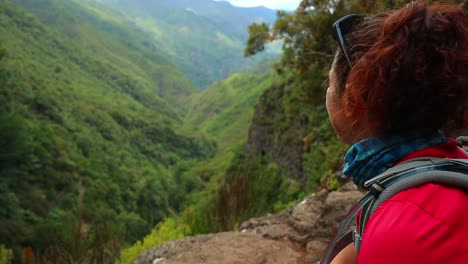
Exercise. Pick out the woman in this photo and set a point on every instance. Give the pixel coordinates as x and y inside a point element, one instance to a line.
<point>398,84</point>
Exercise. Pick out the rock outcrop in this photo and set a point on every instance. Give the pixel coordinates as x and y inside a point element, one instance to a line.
<point>275,135</point>
<point>296,235</point>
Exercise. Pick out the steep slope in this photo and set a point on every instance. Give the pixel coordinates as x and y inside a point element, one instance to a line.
<point>205,39</point>
<point>88,147</point>
<point>225,110</point>
<point>291,149</point>
<point>101,34</point>
<point>234,19</point>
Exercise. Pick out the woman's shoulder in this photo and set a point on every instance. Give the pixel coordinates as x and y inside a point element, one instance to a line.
<point>447,204</point>
<point>448,149</point>
<point>427,224</point>
<point>429,221</point>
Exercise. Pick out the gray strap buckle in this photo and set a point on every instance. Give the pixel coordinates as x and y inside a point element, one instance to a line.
<point>357,239</point>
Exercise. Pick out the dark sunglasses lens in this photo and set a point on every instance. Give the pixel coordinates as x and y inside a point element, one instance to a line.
<point>345,25</point>
<point>348,25</point>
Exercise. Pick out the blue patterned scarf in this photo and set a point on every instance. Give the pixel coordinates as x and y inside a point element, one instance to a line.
<point>370,157</point>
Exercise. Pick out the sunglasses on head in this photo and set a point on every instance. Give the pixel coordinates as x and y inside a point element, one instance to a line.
<point>342,27</point>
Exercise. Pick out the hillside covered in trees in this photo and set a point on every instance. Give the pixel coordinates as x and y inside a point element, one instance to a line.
<point>90,132</point>
<point>203,38</point>
<point>95,147</point>
<point>108,146</point>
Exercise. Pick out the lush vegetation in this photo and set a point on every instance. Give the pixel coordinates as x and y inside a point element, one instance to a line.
<point>198,36</point>
<point>96,148</point>
<point>134,62</point>
<point>293,148</point>
<point>90,136</point>
<point>103,139</point>
<point>225,111</point>
<point>165,231</point>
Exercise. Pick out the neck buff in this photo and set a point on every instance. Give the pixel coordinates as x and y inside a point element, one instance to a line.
<point>370,157</point>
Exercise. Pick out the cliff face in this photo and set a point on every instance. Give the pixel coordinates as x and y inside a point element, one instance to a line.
<point>296,235</point>
<point>276,135</point>
<point>293,131</point>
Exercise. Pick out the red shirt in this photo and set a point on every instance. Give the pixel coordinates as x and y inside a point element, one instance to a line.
<point>427,224</point>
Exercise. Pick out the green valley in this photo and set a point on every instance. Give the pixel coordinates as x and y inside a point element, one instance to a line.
<point>90,115</point>
<point>126,124</point>
<point>102,137</point>
<point>224,111</point>
<point>198,37</point>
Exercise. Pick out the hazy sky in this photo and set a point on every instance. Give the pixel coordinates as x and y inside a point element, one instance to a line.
<point>273,4</point>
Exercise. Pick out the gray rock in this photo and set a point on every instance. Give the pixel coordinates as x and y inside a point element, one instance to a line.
<point>296,235</point>
<point>229,248</point>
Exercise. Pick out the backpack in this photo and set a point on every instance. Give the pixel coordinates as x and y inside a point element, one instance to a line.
<point>406,175</point>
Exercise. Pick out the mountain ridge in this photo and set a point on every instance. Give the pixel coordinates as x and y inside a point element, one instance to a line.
<point>119,38</point>
<point>200,39</point>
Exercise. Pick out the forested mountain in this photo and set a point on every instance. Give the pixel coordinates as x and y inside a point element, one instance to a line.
<point>105,136</point>
<point>130,53</point>
<point>230,18</point>
<point>225,111</point>
<point>204,38</point>
<point>90,117</point>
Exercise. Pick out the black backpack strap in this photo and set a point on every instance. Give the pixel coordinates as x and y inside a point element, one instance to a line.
<point>342,236</point>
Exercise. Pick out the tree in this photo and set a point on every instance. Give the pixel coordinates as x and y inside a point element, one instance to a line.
<point>308,47</point>
<point>12,139</point>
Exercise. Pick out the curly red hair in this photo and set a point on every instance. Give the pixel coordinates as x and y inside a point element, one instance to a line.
<point>410,69</point>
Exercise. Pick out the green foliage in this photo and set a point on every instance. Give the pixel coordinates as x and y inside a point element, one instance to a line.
<point>86,132</point>
<point>256,179</point>
<point>73,241</point>
<point>13,139</point>
<point>293,144</point>
<point>324,153</point>
<point>5,255</point>
<point>198,36</point>
<point>299,116</point>
<point>167,230</point>
<point>225,111</point>
<point>96,147</point>
<point>259,36</point>
<point>245,182</point>
<point>207,176</point>
<point>132,62</point>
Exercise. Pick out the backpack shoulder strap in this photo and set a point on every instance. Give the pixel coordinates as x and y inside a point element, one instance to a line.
<point>406,175</point>
<point>411,174</point>
<point>448,178</point>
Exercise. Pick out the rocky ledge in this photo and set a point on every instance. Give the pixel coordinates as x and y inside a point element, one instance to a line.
<point>296,235</point>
